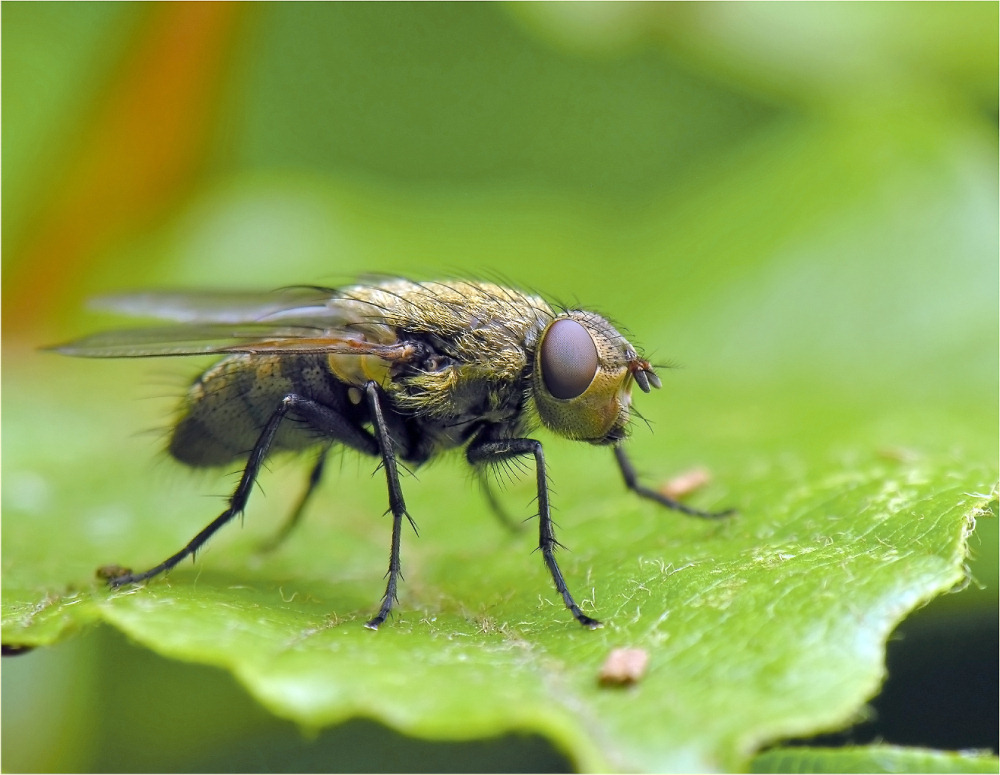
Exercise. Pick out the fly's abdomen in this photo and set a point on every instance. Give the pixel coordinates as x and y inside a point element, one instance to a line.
<point>228,406</point>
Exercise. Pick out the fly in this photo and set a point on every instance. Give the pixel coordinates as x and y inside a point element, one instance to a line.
<point>397,370</point>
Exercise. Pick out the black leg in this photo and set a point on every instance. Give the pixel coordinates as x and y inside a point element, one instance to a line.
<point>314,479</point>
<point>495,506</point>
<point>320,417</point>
<point>396,503</point>
<point>492,451</point>
<point>632,482</point>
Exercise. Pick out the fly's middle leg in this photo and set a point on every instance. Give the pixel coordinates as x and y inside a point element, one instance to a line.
<point>495,506</point>
<point>493,451</point>
<point>322,418</point>
<point>315,476</point>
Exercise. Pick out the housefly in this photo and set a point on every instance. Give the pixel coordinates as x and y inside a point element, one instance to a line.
<point>397,370</point>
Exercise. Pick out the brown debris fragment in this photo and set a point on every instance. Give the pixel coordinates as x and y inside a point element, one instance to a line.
<point>686,483</point>
<point>623,667</point>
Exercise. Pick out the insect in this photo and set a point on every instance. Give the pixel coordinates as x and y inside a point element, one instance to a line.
<point>397,370</point>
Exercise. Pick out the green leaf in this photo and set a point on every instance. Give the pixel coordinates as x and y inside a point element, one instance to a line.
<point>817,245</point>
<point>768,624</point>
<point>876,758</point>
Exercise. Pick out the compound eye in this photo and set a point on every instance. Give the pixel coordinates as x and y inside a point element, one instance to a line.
<point>568,359</point>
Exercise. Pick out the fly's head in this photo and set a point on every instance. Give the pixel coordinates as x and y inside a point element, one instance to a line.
<point>582,378</point>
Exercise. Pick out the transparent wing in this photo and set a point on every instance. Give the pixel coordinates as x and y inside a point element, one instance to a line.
<point>221,338</point>
<point>229,307</point>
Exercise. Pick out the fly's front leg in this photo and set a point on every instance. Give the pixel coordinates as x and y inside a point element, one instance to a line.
<point>320,417</point>
<point>494,451</point>
<point>396,503</point>
<point>632,482</point>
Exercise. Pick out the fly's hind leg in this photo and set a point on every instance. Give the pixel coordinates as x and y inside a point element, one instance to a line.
<point>322,418</point>
<point>487,451</point>
<point>315,476</point>
<point>632,482</point>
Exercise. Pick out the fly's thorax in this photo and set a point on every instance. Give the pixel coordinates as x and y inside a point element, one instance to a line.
<point>582,378</point>
<point>469,347</point>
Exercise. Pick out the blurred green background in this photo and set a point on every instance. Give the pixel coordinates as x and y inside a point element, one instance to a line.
<point>795,202</point>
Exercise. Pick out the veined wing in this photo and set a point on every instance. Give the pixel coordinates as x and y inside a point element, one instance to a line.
<point>223,339</point>
<point>229,307</point>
